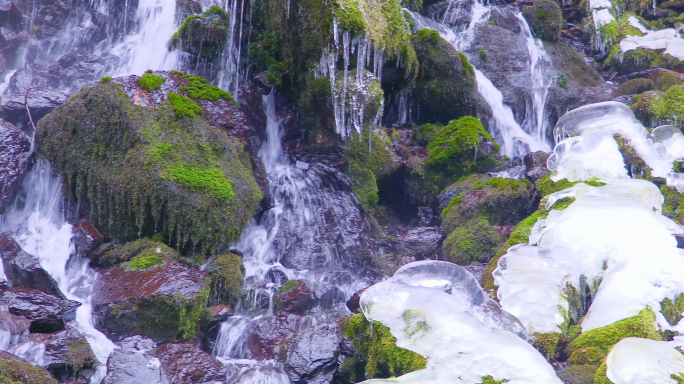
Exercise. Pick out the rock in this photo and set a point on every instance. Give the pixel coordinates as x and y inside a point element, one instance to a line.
<point>578,374</point>
<point>202,35</point>
<point>137,343</point>
<point>445,197</point>
<point>420,242</point>
<point>220,313</point>
<point>535,165</point>
<point>299,296</point>
<point>67,354</point>
<point>75,69</point>
<point>13,326</point>
<point>24,270</point>
<point>227,277</point>
<point>86,238</point>
<point>312,356</point>
<point>187,364</point>
<point>21,80</point>
<point>16,369</point>
<point>41,101</point>
<point>126,367</point>
<point>636,86</point>
<point>545,19</point>
<point>354,303</point>
<point>162,302</point>
<point>426,217</point>
<point>46,312</point>
<point>16,158</point>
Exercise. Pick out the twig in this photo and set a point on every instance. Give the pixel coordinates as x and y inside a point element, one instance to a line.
<point>28,110</point>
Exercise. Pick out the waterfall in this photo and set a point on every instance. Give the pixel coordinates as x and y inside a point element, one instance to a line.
<point>146,47</point>
<point>36,222</point>
<point>515,141</point>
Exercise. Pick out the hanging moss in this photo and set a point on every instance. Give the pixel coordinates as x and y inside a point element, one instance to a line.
<point>227,277</point>
<point>547,343</point>
<point>140,171</point>
<point>367,163</point>
<point>641,325</point>
<point>151,82</point>
<point>376,354</point>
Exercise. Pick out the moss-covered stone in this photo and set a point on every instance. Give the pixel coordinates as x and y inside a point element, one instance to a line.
<point>202,34</point>
<point>604,338</point>
<point>143,249</point>
<point>672,309</point>
<point>19,372</point>
<point>636,86</point>
<point>375,352</point>
<point>578,374</point>
<point>547,343</point>
<point>474,241</point>
<point>198,87</point>
<point>545,19</point>
<point>227,277</point>
<point>136,171</point>
<point>587,356</point>
<point>445,87</point>
<point>492,380</point>
<point>183,106</point>
<point>369,160</point>
<point>666,79</point>
<point>149,81</point>
<point>658,108</point>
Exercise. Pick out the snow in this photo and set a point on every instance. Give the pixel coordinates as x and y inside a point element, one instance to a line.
<point>667,39</point>
<point>635,360</point>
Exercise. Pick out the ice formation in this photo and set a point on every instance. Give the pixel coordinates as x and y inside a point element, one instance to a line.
<point>635,360</point>
<point>667,39</point>
<point>438,310</point>
<point>612,235</point>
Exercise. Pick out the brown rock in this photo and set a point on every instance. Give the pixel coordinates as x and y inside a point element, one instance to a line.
<point>47,313</point>
<point>86,237</point>
<point>187,364</point>
<point>16,159</point>
<point>24,270</point>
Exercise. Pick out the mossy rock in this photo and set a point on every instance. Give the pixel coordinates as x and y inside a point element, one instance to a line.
<point>658,108</point>
<point>474,241</point>
<point>19,372</point>
<point>142,249</point>
<point>587,356</point>
<point>666,79</point>
<point>547,343</point>
<point>571,63</point>
<point>604,338</point>
<point>204,34</point>
<point>137,171</point>
<point>227,277</point>
<point>578,374</point>
<point>672,309</point>
<point>636,86</point>
<point>369,160</point>
<point>375,353</point>
<point>673,207</point>
<point>445,88</point>
<point>545,19</point>
<point>149,81</point>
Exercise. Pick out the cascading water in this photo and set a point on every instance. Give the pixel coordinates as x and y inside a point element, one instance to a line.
<point>515,140</point>
<point>36,222</point>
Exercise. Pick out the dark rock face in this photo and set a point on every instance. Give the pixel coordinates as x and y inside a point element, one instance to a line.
<point>16,368</point>
<point>312,356</point>
<point>67,354</point>
<point>535,165</point>
<point>86,237</point>
<point>41,101</point>
<point>354,303</point>
<point>299,296</point>
<point>24,270</point>
<point>15,325</point>
<point>129,367</point>
<point>545,19</point>
<point>187,364</point>
<point>47,313</point>
<point>15,160</point>
<point>149,302</point>
<point>420,242</point>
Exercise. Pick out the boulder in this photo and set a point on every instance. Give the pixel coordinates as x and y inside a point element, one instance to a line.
<point>75,69</point>
<point>41,101</point>
<point>47,313</point>
<point>545,19</point>
<point>16,157</point>
<point>163,302</point>
<point>535,165</point>
<point>67,354</point>
<point>420,242</point>
<point>187,364</point>
<point>15,369</point>
<point>24,270</point>
<point>130,367</point>
<point>299,296</point>
<point>86,238</point>
<point>137,343</point>
<point>14,326</point>
<point>312,355</point>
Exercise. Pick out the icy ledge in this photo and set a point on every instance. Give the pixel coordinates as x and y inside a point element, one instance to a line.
<point>438,310</point>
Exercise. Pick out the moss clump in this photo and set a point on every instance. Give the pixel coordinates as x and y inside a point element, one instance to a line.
<point>422,134</point>
<point>182,106</point>
<point>227,277</point>
<point>545,19</point>
<point>587,355</point>
<point>369,160</point>
<point>128,166</point>
<point>142,248</point>
<point>18,372</point>
<point>578,374</point>
<point>672,309</point>
<point>145,262</point>
<point>666,79</point>
<point>79,354</point>
<point>499,183</point>
<point>475,241</point>
<point>636,86</point>
<point>105,79</point>
<point>642,325</point>
<point>203,35</point>
<point>453,148</point>
<point>482,53</point>
<point>492,380</point>
<point>547,343</point>
<point>375,353</point>
<point>198,87</point>
<point>545,186</point>
<point>151,82</point>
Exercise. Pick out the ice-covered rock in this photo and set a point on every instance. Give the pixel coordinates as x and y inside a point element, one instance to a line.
<point>635,360</point>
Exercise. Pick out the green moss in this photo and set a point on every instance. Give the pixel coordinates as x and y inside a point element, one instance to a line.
<point>145,262</point>
<point>611,31</point>
<point>492,380</point>
<point>202,34</point>
<point>198,87</point>
<point>672,309</point>
<point>667,79</point>
<point>600,376</point>
<point>467,67</point>
<point>636,86</point>
<point>105,79</point>
<point>141,249</point>
<point>547,343</point>
<point>474,241</point>
<point>19,372</point>
<point>501,183</point>
<point>587,356</point>
<point>227,277</point>
<point>216,10</point>
<point>545,19</point>
<point>641,325</point>
<point>457,141</point>
<point>369,159</point>
<point>429,35</point>
<point>137,169</point>
<point>375,352</point>
<point>424,133</point>
<point>151,82</point>
<point>455,201</point>
<point>545,186</point>
<point>183,106</point>
<point>482,53</point>
<point>183,27</point>
<point>79,354</point>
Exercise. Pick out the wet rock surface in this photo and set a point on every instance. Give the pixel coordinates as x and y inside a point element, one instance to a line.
<point>16,159</point>
<point>14,325</point>
<point>46,312</point>
<point>24,270</point>
<point>41,101</point>
<point>86,238</point>
<point>187,364</point>
<point>420,242</point>
<point>131,367</point>
<point>312,355</point>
